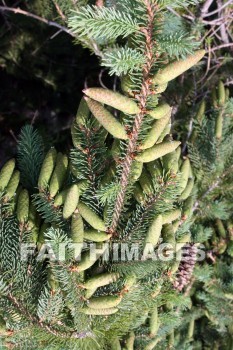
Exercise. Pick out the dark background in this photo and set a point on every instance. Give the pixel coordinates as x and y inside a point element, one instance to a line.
<point>41,80</point>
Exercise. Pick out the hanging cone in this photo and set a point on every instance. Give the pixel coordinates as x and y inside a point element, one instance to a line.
<point>174,69</point>
<point>186,266</point>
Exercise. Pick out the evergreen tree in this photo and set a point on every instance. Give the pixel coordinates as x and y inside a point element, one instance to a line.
<point>126,184</point>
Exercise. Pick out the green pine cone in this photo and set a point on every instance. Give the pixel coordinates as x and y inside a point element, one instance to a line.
<point>191,329</point>
<point>96,312</point>
<point>174,69</point>
<point>91,217</point>
<point>3,329</point>
<point>96,236</point>
<point>101,280</point>
<point>214,98</point>
<point>165,132</point>
<point>155,132</point>
<point>90,292</point>
<point>221,94</point>
<point>59,174</point>
<point>138,193</point>
<point>71,201</point>
<point>188,207</point>
<point>41,236</point>
<point>170,162</point>
<point>107,120</point>
<point>104,302</point>
<point>160,111</point>
<point>47,169</point>
<point>145,181</point>
<point>187,191</point>
<point>157,151</point>
<point>129,342</point>
<point>168,234</point>
<point>12,185</point>
<point>23,206</point>
<point>201,111</point>
<point>6,173</point>
<point>154,322</point>
<point>185,171</point>
<point>154,231</point>
<point>109,175</point>
<point>113,99</point>
<point>76,139</point>
<point>83,113</point>
<point>61,197</point>
<point>220,228</point>
<point>219,125</point>
<point>33,217</point>
<point>77,228</point>
<point>176,225</point>
<point>155,168</point>
<point>230,248</point>
<point>86,261</point>
<point>136,170</point>
<point>170,216</point>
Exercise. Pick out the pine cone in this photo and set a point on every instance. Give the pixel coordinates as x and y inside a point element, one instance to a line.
<point>189,253</point>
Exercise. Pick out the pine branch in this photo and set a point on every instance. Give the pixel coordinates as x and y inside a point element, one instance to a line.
<point>102,22</point>
<point>154,200</point>
<point>177,44</point>
<point>36,322</point>
<point>142,99</point>
<point>212,187</point>
<point>30,156</point>
<point>122,60</point>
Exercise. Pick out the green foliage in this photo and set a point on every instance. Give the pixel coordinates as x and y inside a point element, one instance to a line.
<point>178,44</point>
<point>102,22</point>
<point>122,60</point>
<point>30,156</point>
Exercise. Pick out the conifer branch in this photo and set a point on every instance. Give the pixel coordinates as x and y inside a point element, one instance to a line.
<point>150,203</point>
<point>42,325</point>
<point>212,187</point>
<point>142,98</point>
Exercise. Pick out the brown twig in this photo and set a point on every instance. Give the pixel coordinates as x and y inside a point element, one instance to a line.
<point>38,18</point>
<point>13,135</point>
<point>229,2</point>
<point>99,3</point>
<point>206,7</point>
<point>223,30</point>
<point>208,65</point>
<point>142,99</point>
<point>221,47</point>
<point>59,10</point>
<point>217,20</point>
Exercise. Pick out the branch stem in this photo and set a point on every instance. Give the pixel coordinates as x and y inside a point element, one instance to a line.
<point>38,18</point>
<point>142,98</point>
<point>229,2</point>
